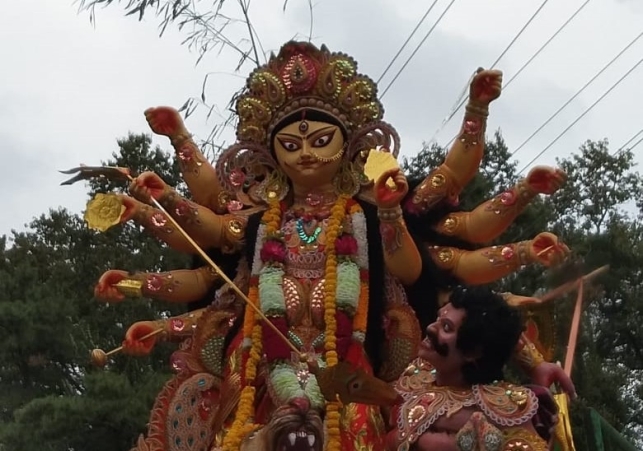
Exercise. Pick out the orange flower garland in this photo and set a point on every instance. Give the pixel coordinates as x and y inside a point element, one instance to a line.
<point>338,213</point>
<point>252,327</point>
<point>251,330</point>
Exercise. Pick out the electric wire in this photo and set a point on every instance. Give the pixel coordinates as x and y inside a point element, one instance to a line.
<point>622,148</point>
<point>530,60</point>
<point>580,91</point>
<point>618,82</point>
<point>542,47</point>
<point>417,48</point>
<point>399,52</point>
<point>463,97</point>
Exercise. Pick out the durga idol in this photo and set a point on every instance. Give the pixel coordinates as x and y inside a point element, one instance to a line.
<point>331,256</point>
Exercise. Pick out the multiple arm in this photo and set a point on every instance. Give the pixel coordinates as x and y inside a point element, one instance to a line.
<point>180,286</point>
<point>205,227</point>
<point>463,159</point>
<point>490,219</point>
<point>197,171</point>
<point>489,264</point>
<point>459,167</point>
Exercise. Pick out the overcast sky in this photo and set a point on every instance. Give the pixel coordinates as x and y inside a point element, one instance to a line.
<point>68,90</point>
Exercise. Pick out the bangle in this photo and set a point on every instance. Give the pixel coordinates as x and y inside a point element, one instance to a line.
<point>477,110</point>
<point>389,214</point>
<point>180,139</point>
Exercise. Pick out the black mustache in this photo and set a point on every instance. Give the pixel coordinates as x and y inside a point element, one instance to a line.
<point>441,348</point>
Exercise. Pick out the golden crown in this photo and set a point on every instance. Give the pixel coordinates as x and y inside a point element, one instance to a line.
<point>301,77</point>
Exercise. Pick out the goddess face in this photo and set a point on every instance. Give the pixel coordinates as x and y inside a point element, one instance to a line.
<point>309,152</point>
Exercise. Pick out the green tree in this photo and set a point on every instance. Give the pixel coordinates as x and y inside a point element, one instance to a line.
<point>595,211</point>
<point>49,321</point>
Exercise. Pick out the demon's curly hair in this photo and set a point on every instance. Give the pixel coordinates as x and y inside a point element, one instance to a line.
<point>491,329</point>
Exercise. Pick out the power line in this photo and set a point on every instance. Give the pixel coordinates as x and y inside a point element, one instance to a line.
<point>399,52</point>
<point>534,56</point>
<point>582,115</point>
<point>426,36</point>
<point>635,144</point>
<point>598,74</point>
<point>463,97</point>
<point>551,38</point>
<point>622,148</point>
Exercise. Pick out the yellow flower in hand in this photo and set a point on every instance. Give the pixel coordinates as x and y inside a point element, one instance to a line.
<point>104,211</point>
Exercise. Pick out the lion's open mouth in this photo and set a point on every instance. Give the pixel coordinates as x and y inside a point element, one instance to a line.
<point>300,440</point>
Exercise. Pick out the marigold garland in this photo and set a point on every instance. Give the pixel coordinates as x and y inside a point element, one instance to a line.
<point>338,213</point>
<point>251,329</point>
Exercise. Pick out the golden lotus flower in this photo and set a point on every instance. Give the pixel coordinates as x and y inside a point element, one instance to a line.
<point>379,162</point>
<point>104,211</point>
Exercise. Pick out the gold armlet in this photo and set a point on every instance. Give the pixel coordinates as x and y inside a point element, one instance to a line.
<point>455,224</point>
<point>232,232</point>
<point>509,256</point>
<point>446,257</point>
<point>527,355</point>
<point>439,185</point>
<point>512,200</point>
<point>520,438</point>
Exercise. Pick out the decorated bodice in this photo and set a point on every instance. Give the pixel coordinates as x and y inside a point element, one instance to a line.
<point>504,404</point>
<point>305,239</point>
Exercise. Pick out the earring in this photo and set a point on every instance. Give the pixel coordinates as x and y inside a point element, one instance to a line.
<point>347,181</point>
<point>274,188</point>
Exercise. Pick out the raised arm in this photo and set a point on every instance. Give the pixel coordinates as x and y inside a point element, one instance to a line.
<point>401,256</point>
<point>181,286</point>
<point>205,227</point>
<point>197,171</point>
<point>490,219</point>
<point>489,264</point>
<point>463,159</point>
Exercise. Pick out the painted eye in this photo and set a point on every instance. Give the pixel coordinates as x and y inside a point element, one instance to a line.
<point>290,146</point>
<point>323,141</point>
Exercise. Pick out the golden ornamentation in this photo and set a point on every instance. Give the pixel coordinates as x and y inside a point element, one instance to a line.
<point>300,77</point>
<point>505,405</point>
<point>130,287</point>
<point>436,188</point>
<point>520,439</point>
<point>379,162</point>
<point>104,211</point>
<point>527,355</point>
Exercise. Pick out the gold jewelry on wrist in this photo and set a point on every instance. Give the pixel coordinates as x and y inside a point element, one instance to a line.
<point>477,110</point>
<point>389,214</point>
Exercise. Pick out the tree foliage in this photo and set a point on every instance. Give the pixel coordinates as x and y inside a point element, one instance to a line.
<point>49,321</point>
